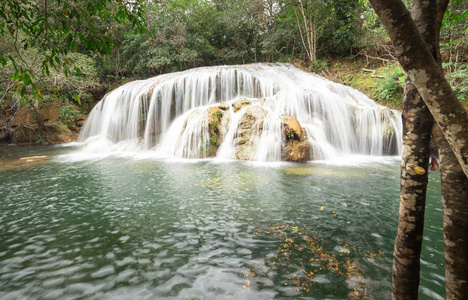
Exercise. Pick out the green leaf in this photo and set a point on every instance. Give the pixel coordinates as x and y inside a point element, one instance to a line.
<point>23,91</point>
<point>78,71</point>
<point>77,98</point>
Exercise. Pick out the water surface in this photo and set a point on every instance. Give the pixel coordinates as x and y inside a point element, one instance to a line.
<point>145,228</point>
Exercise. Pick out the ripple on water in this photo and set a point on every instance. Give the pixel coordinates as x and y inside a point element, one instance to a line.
<point>117,229</point>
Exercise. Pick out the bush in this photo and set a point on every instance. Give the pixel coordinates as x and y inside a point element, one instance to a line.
<point>68,114</point>
<point>390,88</point>
<point>457,75</point>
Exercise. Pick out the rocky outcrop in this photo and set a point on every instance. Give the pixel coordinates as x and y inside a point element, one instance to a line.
<point>44,125</point>
<point>296,146</point>
<point>210,126</point>
<point>249,132</point>
<point>241,102</point>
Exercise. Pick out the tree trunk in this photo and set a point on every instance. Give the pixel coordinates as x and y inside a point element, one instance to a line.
<point>453,163</point>
<point>416,59</point>
<point>417,127</point>
<point>455,204</point>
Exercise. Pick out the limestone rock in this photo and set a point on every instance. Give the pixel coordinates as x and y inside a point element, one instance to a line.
<point>249,131</point>
<point>296,146</point>
<point>223,106</point>
<point>241,102</point>
<point>292,129</point>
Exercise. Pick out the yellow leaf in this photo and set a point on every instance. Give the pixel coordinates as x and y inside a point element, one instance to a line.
<point>417,169</point>
<point>322,207</point>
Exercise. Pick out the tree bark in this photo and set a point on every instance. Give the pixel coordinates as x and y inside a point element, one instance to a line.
<point>455,205</point>
<point>416,59</point>
<point>417,126</point>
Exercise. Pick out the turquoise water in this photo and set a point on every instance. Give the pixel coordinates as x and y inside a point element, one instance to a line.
<point>143,228</point>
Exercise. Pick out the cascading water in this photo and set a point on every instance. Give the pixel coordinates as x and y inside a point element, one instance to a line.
<point>257,112</point>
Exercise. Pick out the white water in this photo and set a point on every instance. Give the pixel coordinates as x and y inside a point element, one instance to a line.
<point>168,114</point>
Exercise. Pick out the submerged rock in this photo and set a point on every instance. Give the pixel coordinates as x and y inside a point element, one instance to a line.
<point>296,146</point>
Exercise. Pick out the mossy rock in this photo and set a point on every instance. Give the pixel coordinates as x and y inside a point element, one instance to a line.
<point>240,103</point>
<point>246,141</point>
<point>215,114</point>
<point>223,106</point>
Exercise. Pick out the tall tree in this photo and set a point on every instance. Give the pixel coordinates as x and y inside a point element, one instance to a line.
<point>416,59</point>
<point>428,17</point>
<point>310,19</point>
<point>417,128</point>
<point>455,206</point>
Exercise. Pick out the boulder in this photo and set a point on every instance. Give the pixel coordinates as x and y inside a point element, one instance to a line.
<point>296,151</point>
<point>292,129</point>
<point>223,106</point>
<point>241,102</point>
<point>296,146</point>
<point>249,132</point>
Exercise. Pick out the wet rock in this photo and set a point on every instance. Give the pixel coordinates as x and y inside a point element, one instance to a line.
<point>241,102</point>
<point>249,132</point>
<point>296,146</point>
<point>296,151</point>
<point>80,123</point>
<point>223,106</point>
<point>44,125</point>
<point>292,129</point>
<point>6,135</point>
<point>215,115</point>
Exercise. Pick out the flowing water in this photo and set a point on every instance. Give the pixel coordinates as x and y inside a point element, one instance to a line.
<point>169,114</point>
<point>140,227</point>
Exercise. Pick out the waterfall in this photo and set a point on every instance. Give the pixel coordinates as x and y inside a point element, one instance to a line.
<point>263,112</point>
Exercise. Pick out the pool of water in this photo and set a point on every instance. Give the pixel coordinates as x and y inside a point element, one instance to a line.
<point>123,227</point>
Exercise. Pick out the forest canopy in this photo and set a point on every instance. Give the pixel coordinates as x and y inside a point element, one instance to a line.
<point>78,50</point>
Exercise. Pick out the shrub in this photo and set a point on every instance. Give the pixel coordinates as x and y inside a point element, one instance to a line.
<point>457,75</point>
<point>390,88</point>
<point>68,114</point>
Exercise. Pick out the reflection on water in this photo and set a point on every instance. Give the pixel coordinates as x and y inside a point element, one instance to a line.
<point>124,228</point>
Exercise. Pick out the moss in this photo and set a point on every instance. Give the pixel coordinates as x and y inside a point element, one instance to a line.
<point>215,115</point>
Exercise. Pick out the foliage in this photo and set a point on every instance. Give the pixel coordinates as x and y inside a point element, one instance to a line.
<point>454,33</point>
<point>68,114</point>
<point>457,75</point>
<point>53,29</point>
<point>390,88</point>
